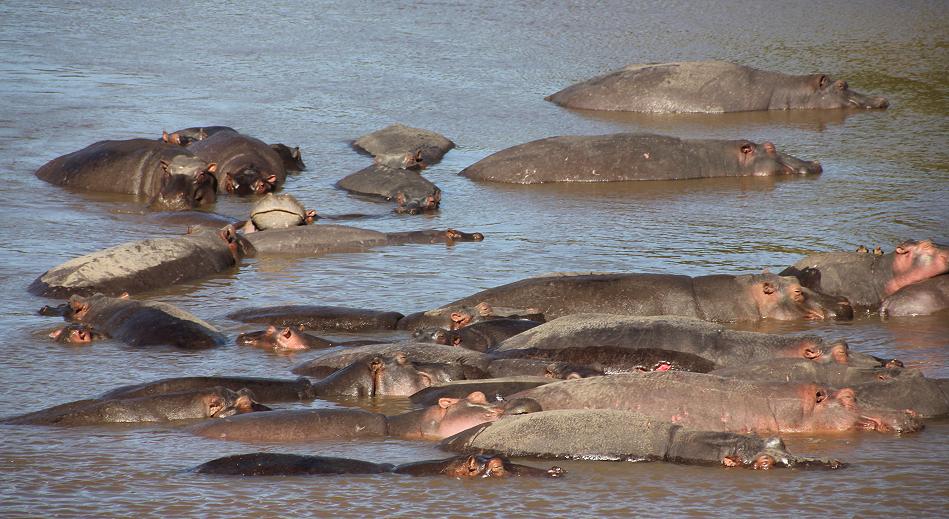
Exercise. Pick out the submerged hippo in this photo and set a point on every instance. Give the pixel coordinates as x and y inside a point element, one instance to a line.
<point>145,265</point>
<point>709,87</point>
<point>623,435</point>
<point>921,298</point>
<point>141,323</point>
<point>170,176</point>
<point>278,212</point>
<point>409,189</point>
<point>292,160</point>
<point>711,403</point>
<point>498,388</point>
<point>245,165</point>
<point>331,238</point>
<point>215,402</point>
<point>265,390</point>
<point>630,156</point>
<point>75,333</point>
<point>284,339</point>
<point>449,416</point>
<point>479,336</point>
<point>319,317</point>
<point>420,353</point>
<point>866,279</point>
<point>420,147</point>
<point>711,298</point>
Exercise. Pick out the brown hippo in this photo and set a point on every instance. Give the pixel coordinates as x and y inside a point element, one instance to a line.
<point>479,336</point>
<point>318,317</point>
<point>449,416</point>
<point>170,176</point>
<point>292,160</point>
<point>265,390</point>
<point>499,388</point>
<point>631,156</point>
<point>709,87</point>
<point>75,333</point>
<point>866,279</point>
<point>412,192</point>
<point>399,142</point>
<point>711,298</point>
<point>330,238</point>
<point>921,298</point>
<point>245,165</point>
<point>216,402</point>
<point>606,434</point>
<point>711,403</point>
<point>145,264</point>
<point>290,339</point>
<point>421,353</point>
<point>278,212</point>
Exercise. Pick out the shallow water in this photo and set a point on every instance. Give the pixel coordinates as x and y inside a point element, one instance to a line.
<point>320,75</point>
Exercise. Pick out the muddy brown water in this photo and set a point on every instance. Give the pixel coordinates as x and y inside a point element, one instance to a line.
<point>318,75</point>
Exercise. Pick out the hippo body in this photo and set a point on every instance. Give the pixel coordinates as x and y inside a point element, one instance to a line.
<point>803,370</point>
<point>492,387</point>
<point>927,397</point>
<point>265,390</point>
<point>631,156</point>
<point>710,403</point>
<point>921,298</point>
<point>409,189</point>
<point>316,240</point>
<point>480,336</point>
<point>292,160</point>
<point>425,353</point>
<point>140,323</point>
<point>318,317</point>
<point>245,165</point>
<point>382,375</point>
<point>614,359</point>
<point>709,87</point>
<point>170,176</point>
<point>278,212</point>
<point>144,265</point>
<point>866,279</point>
<point>398,140</point>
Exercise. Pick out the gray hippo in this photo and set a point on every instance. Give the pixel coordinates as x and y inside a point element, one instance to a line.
<point>265,390</point>
<point>170,176</point>
<point>709,87</point>
<point>322,239</point>
<point>631,156</point>
<point>145,264</point>
<point>866,279</point>
<point>412,192</point>
<point>245,165</point>
<point>319,317</point>
<point>602,434</point>
<point>424,354</point>
<point>292,160</point>
<point>405,147</point>
<point>802,370</point>
<point>920,298</point>
<point>711,298</point>
<point>478,336</point>
<point>275,211</point>
<point>459,467</point>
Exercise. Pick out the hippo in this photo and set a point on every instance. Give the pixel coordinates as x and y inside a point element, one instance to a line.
<point>280,464</point>
<point>421,353</point>
<point>145,265</point>
<point>216,402</point>
<point>412,192</point>
<point>292,160</point>
<point>462,317</point>
<point>709,87</point>
<point>711,403</point>
<point>921,298</point>
<point>381,375</point>
<point>613,359</point>
<point>710,298</point>
<point>866,279</point>
<point>278,212</point>
<point>631,156</point>
<point>432,236</point>
<point>285,339</point>
<point>924,397</point>
<point>318,317</point>
<point>246,165</point>
<point>171,177</point>
<point>75,333</point>
<point>606,434</point>
<point>479,336</point>
<point>420,147</point>
<point>499,388</point>
<point>530,367</point>
<point>803,370</point>
<point>140,323</point>
<point>332,238</point>
<point>265,390</point>
<point>449,416</point>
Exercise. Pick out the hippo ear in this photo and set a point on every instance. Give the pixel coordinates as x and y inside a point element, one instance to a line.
<point>820,81</point>
<point>425,379</point>
<point>446,402</point>
<point>767,288</point>
<point>840,85</point>
<point>166,171</point>
<point>166,137</point>
<point>477,397</point>
<point>456,340</point>
<point>271,330</point>
<point>212,167</point>
<point>56,333</point>
<point>295,153</point>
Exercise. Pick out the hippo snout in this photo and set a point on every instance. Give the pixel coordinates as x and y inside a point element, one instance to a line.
<point>879,102</point>
<point>842,311</point>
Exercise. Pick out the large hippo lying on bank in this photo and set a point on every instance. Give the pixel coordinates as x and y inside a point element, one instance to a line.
<point>144,265</point>
<point>170,176</point>
<point>709,87</point>
<point>412,192</point>
<point>396,142</point>
<point>630,156</point>
<point>921,298</point>
<point>866,279</point>
<point>711,298</point>
<point>245,165</point>
<point>622,435</point>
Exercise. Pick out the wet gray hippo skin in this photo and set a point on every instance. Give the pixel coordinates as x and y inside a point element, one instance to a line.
<point>323,238</point>
<point>216,402</point>
<point>866,279</point>
<point>493,387</point>
<point>921,298</point>
<point>926,397</point>
<point>140,323</point>
<point>703,339</point>
<point>422,353</point>
<point>710,403</point>
<point>480,336</point>
<point>802,370</point>
<point>170,176</point>
<point>622,435</point>
<point>319,317</point>
<point>426,147</point>
<point>265,390</point>
<point>711,298</point>
<point>631,156</point>
<point>383,375</point>
<point>709,87</point>
<point>144,265</point>
<point>613,359</point>
<point>409,189</point>
<point>448,416</point>
<point>292,160</point>
<point>245,165</point>
<point>283,339</point>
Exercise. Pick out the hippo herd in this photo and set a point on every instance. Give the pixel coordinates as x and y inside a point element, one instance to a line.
<point>600,366</point>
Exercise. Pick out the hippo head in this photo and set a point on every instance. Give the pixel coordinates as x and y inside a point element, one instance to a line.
<point>775,454</point>
<point>765,160</point>
<point>783,298</point>
<point>222,402</point>
<point>184,137</point>
<point>186,183</point>
<point>820,91</point>
<point>826,410</point>
<point>292,160</point>
<point>397,376</point>
<point>814,349</point>
<point>249,181</point>
<point>409,205</point>
<point>916,261</point>
<point>238,245</point>
<point>284,339</point>
<point>75,333</point>
<point>486,466</point>
<point>437,336</point>
<point>453,415</point>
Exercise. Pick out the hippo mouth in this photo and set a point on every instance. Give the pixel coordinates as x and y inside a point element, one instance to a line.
<point>908,423</point>
<point>869,103</point>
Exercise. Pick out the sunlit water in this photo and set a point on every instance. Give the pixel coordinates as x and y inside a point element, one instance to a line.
<point>320,75</point>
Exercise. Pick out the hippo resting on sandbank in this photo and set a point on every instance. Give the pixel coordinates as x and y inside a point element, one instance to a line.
<point>921,298</point>
<point>601,434</point>
<point>279,464</point>
<point>709,87</point>
<point>292,160</point>
<point>145,264</point>
<point>170,176</point>
<point>449,416</point>
<point>866,279</point>
<point>711,298</point>
<point>711,403</point>
<point>401,146</point>
<point>215,402</point>
<point>632,156</point>
<point>332,238</point>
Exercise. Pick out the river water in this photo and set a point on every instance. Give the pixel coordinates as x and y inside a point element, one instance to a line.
<point>320,74</point>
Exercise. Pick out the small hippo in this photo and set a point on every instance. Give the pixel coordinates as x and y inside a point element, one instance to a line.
<point>920,298</point>
<point>412,192</point>
<point>709,87</point>
<point>278,212</point>
<point>292,160</point>
<point>403,146</point>
<point>75,333</point>
<point>245,165</point>
<point>631,156</point>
